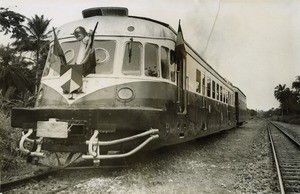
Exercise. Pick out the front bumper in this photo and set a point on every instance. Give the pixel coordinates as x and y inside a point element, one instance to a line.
<point>103,119</point>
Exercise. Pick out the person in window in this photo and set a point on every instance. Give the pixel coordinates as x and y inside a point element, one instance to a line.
<point>150,72</point>
<point>81,35</point>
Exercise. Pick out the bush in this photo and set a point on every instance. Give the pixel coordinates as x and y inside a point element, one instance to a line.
<point>10,157</point>
<point>9,140</point>
<point>292,119</point>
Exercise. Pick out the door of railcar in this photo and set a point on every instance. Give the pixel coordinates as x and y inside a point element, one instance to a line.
<point>181,87</point>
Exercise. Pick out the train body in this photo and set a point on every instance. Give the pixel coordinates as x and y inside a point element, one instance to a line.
<point>241,106</point>
<point>128,92</point>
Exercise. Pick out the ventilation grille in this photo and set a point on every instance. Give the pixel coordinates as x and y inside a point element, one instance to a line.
<point>105,11</point>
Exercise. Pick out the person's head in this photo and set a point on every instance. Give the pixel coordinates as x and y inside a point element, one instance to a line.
<point>80,33</point>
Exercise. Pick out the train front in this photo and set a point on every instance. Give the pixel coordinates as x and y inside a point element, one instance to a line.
<point>107,86</point>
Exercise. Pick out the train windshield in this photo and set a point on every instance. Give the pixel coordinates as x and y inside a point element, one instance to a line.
<point>132,59</point>
<point>103,57</point>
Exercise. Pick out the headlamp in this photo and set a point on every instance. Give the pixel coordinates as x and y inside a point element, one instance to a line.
<point>125,94</point>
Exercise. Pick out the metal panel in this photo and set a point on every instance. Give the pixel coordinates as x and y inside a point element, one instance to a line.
<point>52,129</point>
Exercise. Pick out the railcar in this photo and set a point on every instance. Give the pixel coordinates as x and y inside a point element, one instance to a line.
<point>114,84</point>
<point>241,106</point>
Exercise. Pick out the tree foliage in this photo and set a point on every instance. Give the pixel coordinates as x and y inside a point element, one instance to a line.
<point>19,74</point>
<point>296,84</point>
<point>11,22</point>
<point>289,99</point>
<point>14,72</point>
<point>36,41</point>
<point>30,37</point>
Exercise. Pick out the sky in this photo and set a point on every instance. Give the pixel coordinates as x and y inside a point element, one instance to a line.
<point>255,44</point>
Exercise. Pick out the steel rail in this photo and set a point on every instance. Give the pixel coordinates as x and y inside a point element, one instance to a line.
<point>6,186</point>
<point>282,191</point>
<point>279,127</point>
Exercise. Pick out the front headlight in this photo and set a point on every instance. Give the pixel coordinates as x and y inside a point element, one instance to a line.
<point>126,94</point>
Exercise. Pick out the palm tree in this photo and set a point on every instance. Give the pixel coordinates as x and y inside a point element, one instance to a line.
<point>35,41</point>
<point>278,93</point>
<point>37,28</point>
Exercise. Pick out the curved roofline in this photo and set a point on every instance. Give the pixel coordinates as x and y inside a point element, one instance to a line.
<point>196,53</point>
<point>239,90</point>
<point>187,44</point>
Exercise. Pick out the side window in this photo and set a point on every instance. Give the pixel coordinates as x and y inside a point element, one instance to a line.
<point>226,98</point>
<point>164,61</point>
<point>151,60</point>
<point>132,59</point>
<point>104,52</point>
<point>208,86</point>
<point>218,91</point>
<point>198,80</point>
<point>213,89</point>
<point>203,85</point>
<point>172,66</point>
<point>221,93</point>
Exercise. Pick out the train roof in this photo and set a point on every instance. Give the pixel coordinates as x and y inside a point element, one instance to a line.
<point>143,27</point>
<point>152,28</point>
<point>237,89</point>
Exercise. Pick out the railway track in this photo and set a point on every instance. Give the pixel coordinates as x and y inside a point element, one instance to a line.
<point>9,185</point>
<point>285,144</point>
<point>50,172</point>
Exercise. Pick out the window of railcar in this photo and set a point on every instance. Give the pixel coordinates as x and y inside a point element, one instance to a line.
<point>164,61</point>
<point>208,86</point>
<point>48,62</point>
<point>132,59</point>
<point>213,89</point>
<point>226,98</point>
<point>172,66</point>
<point>104,53</point>
<point>221,94</point>
<point>52,66</point>
<point>198,80</point>
<point>218,90</point>
<point>233,98</point>
<point>71,50</point>
<point>151,60</point>
<point>203,85</point>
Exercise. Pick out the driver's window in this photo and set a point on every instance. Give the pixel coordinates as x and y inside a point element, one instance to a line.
<point>104,53</point>
<point>151,60</point>
<point>132,58</point>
